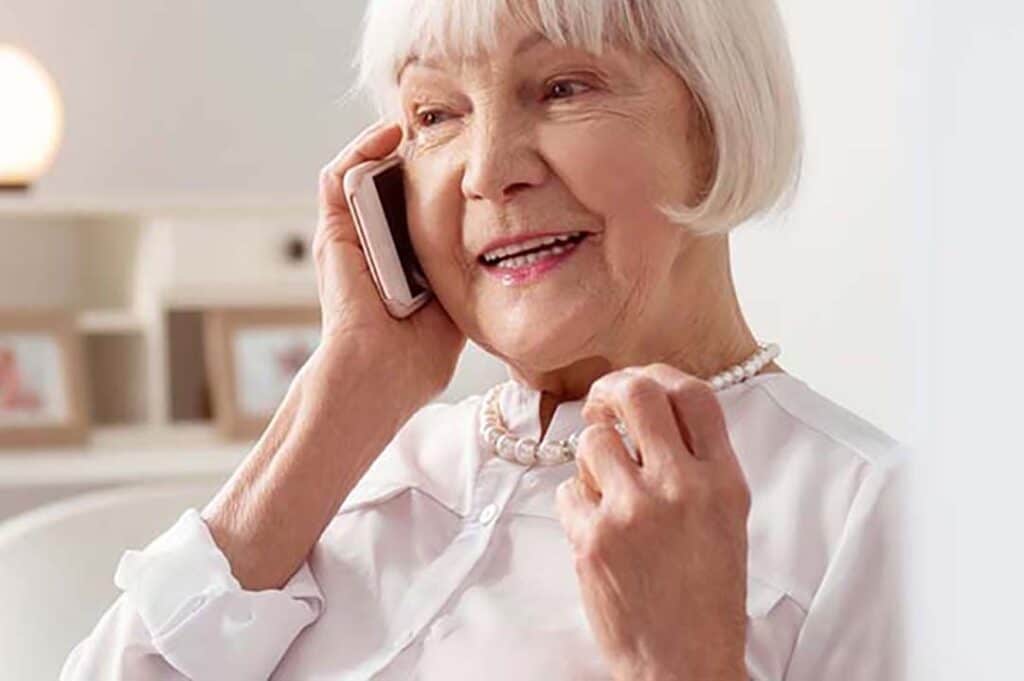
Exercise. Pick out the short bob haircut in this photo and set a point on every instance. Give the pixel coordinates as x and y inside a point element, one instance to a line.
<point>732,54</point>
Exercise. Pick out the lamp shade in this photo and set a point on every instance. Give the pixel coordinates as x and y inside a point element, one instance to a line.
<point>31,118</point>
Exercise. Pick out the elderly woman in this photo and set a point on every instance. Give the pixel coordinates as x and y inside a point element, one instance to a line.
<point>650,496</point>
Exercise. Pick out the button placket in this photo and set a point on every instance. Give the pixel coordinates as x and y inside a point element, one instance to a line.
<point>492,488</point>
<point>494,484</point>
<point>487,515</point>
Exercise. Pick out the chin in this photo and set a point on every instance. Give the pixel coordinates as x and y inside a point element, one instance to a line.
<point>542,343</point>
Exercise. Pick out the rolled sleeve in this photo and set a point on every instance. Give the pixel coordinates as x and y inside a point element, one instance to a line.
<point>197,614</point>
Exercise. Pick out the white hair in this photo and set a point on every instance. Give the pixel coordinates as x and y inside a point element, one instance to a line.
<point>732,54</point>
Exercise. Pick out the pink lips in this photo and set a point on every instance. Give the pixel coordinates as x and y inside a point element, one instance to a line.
<point>515,276</point>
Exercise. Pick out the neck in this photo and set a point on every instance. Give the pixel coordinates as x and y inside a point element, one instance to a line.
<point>696,326</point>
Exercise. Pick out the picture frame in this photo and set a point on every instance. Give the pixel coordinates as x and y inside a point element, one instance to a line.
<point>43,394</point>
<point>252,355</point>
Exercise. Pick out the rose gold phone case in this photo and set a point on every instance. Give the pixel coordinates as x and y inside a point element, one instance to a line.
<point>375,237</point>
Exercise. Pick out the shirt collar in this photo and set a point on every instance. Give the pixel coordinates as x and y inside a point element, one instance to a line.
<point>520,410</point>
<point>520,407</point>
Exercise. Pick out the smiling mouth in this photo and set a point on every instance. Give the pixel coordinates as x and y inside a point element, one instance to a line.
<point>511,258</point>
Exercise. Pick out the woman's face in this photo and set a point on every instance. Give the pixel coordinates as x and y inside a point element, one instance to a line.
<point>539,139</point>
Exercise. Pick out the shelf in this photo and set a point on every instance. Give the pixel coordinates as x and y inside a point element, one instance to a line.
<point>282,294</point>
<point>35,206</point>
<point>109,321</point>
<point>123,454</point>
<point>139,273</point>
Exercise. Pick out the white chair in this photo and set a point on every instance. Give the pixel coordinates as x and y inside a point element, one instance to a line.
<point>57,567</point>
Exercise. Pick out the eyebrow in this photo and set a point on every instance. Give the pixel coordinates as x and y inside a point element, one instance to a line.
<point>526,43</point>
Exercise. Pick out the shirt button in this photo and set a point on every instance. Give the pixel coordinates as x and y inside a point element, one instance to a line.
<point>404,639</point>
<point>487,515</point>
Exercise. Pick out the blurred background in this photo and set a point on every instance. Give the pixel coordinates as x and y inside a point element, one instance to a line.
<point>155,272</point>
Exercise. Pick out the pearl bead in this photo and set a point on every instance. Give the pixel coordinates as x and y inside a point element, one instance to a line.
<point>550,453</point>
<point>527,451</point>
<point>505,445</point>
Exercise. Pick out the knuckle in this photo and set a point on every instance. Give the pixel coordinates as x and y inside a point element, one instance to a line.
<point>673,492</point>
<point>689,491</point>
<point>590,439</point>
<point>326,175</point>
<point>605,381</point>
<point>688,388</point>
<point>631,514</point>
<point>637,389</point>
<point>664,369</point>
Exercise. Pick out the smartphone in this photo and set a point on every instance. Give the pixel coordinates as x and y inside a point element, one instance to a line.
<point>375,191</point>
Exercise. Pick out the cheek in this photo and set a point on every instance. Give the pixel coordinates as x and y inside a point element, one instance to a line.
<point>432,207</point>
<point>608,167</point>
<point>615,171</point>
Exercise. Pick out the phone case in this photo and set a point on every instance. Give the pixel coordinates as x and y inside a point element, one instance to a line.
<point>375,197</point>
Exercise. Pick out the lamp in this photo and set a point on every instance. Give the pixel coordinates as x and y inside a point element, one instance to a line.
<point>31,119</point>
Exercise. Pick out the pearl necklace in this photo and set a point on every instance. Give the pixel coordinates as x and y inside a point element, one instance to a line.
<point>527,451</point>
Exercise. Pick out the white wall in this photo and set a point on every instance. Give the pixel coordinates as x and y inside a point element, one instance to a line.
<point>829,280</point>
<point>968,553</point>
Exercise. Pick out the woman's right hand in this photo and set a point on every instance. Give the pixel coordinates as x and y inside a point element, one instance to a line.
<point>421,351</point>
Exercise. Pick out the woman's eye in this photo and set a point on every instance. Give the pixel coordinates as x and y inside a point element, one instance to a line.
<point>428,118</point>
<point>560,89</point>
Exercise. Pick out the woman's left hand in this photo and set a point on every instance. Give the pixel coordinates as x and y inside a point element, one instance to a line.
<point>660,547</point>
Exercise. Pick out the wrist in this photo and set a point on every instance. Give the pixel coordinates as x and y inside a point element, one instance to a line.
<point>342,368</point>
<point>352,401</point>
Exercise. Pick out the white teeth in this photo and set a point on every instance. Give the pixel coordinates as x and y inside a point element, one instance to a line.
<point>530,258</point>
<point>527,245</point>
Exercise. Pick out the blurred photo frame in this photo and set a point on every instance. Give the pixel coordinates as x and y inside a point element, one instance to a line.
<point>43,396</point>
<point>252,355</point>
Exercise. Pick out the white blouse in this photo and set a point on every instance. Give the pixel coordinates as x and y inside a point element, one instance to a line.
<point>448,563</point>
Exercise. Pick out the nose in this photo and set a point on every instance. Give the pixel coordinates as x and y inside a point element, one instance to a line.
<point>501,159</point>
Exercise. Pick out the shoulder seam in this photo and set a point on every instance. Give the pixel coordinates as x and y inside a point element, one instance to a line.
<point>847,445</point>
